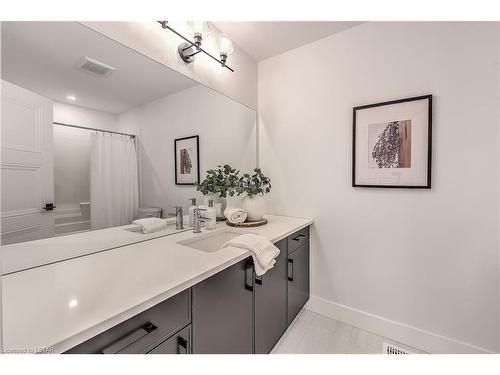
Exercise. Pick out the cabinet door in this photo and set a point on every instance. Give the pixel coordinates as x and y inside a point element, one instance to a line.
<point>298,280</point>
<point>270,303</point>
<point>223,312</point>
<point>180,343</point>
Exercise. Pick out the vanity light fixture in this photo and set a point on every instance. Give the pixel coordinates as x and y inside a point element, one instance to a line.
<point>189,49</point>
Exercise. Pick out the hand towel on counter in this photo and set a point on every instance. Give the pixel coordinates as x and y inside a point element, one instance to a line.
<point>235,215</point>
<point>263,251</point>
<point>151,224</point>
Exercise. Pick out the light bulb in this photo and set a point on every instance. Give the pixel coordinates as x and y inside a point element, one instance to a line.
<point>200,30</point>
<point>225,48</point>
<point>199,27</point>
<point>225,45</point>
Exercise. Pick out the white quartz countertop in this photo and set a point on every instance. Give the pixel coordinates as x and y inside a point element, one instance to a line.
<point>25,255</point>
<point>63,304</point>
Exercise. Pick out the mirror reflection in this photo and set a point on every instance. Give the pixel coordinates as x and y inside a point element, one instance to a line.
<point>96,135</point>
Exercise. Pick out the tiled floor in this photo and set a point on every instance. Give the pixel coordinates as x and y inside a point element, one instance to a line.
<point>312,333</point>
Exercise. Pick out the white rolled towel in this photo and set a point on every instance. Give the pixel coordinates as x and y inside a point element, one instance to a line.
<point>151,224</point>
<point>235,215</point>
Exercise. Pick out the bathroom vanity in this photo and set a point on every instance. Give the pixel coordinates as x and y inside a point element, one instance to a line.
<point>163,295</point>
<point>112,288</point>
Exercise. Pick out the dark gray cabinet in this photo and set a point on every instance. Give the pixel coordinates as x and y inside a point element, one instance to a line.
<point>271,303</point>
<point>298,276</point>
<point>233,311</point>
<point>142,332</point>
<point>223,311</point>
<point>180,343</point>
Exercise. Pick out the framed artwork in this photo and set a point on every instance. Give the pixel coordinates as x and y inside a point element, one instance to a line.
<point>187,160</point>
<point>391,146</point>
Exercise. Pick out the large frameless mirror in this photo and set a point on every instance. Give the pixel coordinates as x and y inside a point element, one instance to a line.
<point>95,135</point>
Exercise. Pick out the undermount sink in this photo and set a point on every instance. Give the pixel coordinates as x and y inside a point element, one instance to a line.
<point>210,242</point>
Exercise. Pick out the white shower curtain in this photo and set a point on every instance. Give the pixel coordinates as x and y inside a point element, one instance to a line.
<point>114,185</point>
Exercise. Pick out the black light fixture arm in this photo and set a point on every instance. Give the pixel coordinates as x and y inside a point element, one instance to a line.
<point>164,25</point>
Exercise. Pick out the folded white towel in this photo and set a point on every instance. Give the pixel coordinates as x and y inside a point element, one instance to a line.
<point>151,224</point>
<point>263,250</point>
<point>235,215</point>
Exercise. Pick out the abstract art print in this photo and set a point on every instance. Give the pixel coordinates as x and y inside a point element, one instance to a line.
<point>392,144</point>
<point>187,160</point>
<point>389,144</point>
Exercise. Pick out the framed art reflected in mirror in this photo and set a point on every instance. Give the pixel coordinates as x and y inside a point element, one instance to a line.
<point>187,160</point>
<point>392,144</point>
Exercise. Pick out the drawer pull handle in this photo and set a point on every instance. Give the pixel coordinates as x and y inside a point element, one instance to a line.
<point>300,237</point>
<point>129,339</point>
<point>182,343</point>
<point>258,280</point>
<point>290,266</point>
<point>249,276</point>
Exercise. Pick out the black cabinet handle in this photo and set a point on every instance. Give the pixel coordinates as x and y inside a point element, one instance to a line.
<point>299,237</point>
<point>182,343</point>
<point>290,265</point>
<point>129,339</point>
<point>258,280</point>
<point>249,276</point>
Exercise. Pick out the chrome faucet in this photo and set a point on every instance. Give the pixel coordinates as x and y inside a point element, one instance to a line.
<point>179,218</point>
<point>198,219</point>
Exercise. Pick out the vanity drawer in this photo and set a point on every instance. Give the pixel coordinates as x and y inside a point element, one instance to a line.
<point>180,343</point>
<point>143,332</point>
<point>298,239</point>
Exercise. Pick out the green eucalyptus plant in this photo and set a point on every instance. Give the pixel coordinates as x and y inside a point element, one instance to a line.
<point>226,181</point>
<point>253,184</point>
<point>220,181</point>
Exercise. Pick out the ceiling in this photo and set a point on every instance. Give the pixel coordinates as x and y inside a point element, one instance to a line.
<point>262,40</point>
<point>41,57</point>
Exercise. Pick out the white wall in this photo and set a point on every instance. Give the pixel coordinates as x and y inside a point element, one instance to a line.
<point>418,266</point>
<point>81,116</point>
<point>71,166</point>
<point>161,45</point>
<point>227,131</point>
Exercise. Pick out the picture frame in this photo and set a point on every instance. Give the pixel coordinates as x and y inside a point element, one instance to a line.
<point>187,160</point>
<point>392,144</point>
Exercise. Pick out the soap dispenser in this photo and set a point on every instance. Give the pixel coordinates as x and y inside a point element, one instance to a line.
<point>191,212</point>
<point>211,215</point>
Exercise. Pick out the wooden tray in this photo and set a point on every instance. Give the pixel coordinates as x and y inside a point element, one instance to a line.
<point>248,224</point>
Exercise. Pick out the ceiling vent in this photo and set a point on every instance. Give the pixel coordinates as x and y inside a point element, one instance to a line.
<point>94,67</point>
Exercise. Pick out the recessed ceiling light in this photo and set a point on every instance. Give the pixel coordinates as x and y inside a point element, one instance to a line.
<point>71,97</point>
<point>73,303</point>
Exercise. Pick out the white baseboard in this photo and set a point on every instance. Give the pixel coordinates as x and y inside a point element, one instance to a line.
<point>418,338</point>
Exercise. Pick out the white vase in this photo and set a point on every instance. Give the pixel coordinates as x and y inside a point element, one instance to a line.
<point>219,203</point>
<point>255,207</point>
